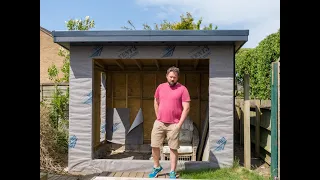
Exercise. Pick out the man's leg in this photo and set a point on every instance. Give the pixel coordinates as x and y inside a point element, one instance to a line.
<point>157,137</point>
<point>156,156</point>
<point>173,159</point>
<point>173,142</point>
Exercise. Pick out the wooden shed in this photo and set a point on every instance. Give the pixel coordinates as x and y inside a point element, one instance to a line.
<point>114,74</point>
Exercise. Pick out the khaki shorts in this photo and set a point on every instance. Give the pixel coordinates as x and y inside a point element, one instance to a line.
<point>161,130</point>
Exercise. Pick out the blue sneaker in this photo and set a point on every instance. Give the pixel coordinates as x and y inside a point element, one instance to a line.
<point>172,175</point>
<point>155,172</point>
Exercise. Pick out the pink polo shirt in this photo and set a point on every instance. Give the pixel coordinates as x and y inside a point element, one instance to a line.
<point>170,101</point>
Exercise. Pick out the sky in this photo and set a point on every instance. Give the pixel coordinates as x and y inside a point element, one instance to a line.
<point>260,17</point>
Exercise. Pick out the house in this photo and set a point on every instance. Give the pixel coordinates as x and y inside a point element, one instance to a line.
<point>48,55</point>
<point>120,70</point>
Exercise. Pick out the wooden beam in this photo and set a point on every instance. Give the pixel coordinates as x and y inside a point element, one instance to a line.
<point>246,126</point>
<point>196,62</point>
<point>112,89</point>
<point>126,90</point>
<point>96,67</point>
<point>241,122</point>
<point>120,64</point>
<point>141,89</point>
<point>99,64</point>
<point>157,64</point>
<point>138,63</point>
<point>177,62</point>
<point>199,98</point>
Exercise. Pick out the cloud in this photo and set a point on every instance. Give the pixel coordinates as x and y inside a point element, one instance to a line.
<point>261,17</point>
<point>165,12</point>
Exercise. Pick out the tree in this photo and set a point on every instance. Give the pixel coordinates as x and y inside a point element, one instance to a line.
<point>257,63</point>
<point>186,23</point>
<point>79,24</point>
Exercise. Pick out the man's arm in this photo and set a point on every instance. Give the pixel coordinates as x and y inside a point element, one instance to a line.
<point>156,106</point>
<point>185,112</point>
<point>156,101</point>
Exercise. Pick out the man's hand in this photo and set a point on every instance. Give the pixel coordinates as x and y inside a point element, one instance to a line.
<point>185,112</point>
<point>156,106</point>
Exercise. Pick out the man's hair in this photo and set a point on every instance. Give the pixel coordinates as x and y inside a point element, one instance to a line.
<point>173,69</point>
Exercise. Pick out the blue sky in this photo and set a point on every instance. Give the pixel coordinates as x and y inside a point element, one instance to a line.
<point>261,17</point>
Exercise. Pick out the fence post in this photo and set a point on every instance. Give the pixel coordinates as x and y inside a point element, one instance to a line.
<point>257,128</point>
<point>278,118</point>
<point>246,126</point>
<point>274,117</point>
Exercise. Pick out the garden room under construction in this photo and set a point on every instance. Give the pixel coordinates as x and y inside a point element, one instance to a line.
<point>113,78</point>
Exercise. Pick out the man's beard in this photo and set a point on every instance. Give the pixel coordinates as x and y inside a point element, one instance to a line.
<point>172,83</point>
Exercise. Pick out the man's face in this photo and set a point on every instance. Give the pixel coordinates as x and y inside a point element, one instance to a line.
<point>172,78</point>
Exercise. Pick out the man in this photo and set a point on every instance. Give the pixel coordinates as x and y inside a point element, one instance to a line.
<point>171,105</point>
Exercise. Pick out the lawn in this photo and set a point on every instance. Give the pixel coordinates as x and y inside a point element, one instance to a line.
<point>233,173</point>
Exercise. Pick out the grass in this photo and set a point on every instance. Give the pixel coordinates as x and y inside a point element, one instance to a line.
<point>233,173</point>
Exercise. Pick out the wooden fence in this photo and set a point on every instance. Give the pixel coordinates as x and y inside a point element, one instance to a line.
<point>260,126</point>
<point>47,89</point>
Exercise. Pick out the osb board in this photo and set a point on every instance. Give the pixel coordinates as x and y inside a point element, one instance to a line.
<point>149,85</point>
<point>149,117</point>
<point>119,82</point>
<point>134,84</point>
<point>204,87</point>
<point>194,112</point>
<point>119,103</point>
<point>161,77</point>
<point>182,78</point>
<point>192,83</point>
<point>203,108</point>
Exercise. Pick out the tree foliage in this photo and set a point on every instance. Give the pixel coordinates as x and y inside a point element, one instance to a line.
<point>257,63</point>
<point>79,24</point>
<point>187,22</point>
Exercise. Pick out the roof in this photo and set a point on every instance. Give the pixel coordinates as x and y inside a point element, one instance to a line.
<point>151,37</point>
<point>45,31</point>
